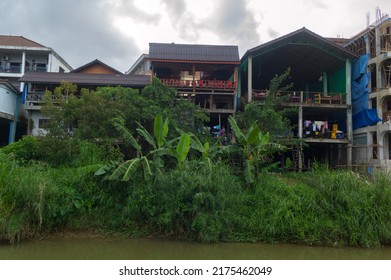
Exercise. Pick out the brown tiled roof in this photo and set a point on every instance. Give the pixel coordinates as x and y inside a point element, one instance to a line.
<point>197,53</point>
<point>135,81</point>
<point>18,41</point>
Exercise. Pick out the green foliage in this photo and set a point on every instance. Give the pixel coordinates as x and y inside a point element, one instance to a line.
<point>23,150</point>
<point>87,115</point>
<point>183,147</point>
<point>255,149</point>
<point>271,116</point>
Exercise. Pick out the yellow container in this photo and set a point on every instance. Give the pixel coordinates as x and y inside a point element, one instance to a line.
<point>333,135</point>
<point>335,127</point>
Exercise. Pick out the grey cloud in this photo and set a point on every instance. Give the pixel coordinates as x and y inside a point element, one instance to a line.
<point>182,20</point>
<point>128,9</point>
<point>272,33</point>
<point>235,24</point>
<point>79,31</point>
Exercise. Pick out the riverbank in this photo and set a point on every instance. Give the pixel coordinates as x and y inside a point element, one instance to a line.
<point>199,203</point>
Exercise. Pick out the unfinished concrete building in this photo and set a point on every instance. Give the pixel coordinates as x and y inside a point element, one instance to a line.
<point>372,129</point>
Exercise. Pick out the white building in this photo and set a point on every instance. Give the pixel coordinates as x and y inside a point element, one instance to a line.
<point>19,55</point>
<point>9,106</point>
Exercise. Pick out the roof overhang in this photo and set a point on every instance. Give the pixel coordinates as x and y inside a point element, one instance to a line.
<point>134,81</point>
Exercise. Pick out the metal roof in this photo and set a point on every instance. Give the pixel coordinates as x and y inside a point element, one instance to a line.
<point>306,53</point>
<point>302,37</point>
<point>194,53</point>
<point>136,81</point>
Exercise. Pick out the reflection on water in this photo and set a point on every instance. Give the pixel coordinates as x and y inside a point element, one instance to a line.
<point>88,248</point>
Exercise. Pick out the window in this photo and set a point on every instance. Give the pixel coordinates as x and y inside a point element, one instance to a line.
<point>43,123</point>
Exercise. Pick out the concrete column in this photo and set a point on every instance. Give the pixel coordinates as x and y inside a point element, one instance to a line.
<point>380,145</point>
<point>369,147</point>
<point>324,79</point>
<point>377,40</point>
<point>379,79</point>
<point>23,62</point>
<point>300,124</point>
<point>50,59</point>
<point>367,44</point>
<point>349,121</point>
<point>250,78</point>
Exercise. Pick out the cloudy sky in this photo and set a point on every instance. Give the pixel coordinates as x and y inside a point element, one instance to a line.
<point>118,31</point>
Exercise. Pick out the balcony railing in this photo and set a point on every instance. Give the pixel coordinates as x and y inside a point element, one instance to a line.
<point>11,69</point>
<point>200,84</point>
<point>18,69</point>
<point>303,97</point>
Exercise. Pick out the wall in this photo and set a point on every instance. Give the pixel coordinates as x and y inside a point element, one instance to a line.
<point>35,129</point>
<point>7,100</point>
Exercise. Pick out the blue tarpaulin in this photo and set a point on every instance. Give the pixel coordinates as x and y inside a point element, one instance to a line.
<point>362,116</point>
<point>365,118</point>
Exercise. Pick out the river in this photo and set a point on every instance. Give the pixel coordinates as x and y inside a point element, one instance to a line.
<point>115,248</point>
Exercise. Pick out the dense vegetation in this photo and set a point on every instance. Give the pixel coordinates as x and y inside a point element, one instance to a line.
<point>156,176</point>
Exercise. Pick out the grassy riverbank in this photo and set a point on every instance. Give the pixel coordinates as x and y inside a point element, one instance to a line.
<point>195,201</point>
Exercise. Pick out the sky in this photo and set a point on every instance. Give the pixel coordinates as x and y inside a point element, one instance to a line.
<point>117,32</point>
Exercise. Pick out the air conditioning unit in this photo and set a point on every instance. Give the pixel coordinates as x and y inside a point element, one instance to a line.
<point>6,57</point>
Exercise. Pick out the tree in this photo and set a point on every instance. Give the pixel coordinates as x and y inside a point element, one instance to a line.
<point>270,115</point>
<point>255,149</point>
<point>148,160</point>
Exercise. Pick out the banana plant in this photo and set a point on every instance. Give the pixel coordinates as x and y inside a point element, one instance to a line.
<point>151,161</point>
<point>255,148</point>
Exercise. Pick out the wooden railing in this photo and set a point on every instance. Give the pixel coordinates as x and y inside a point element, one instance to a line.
<point>304,97</point>
<point>206,84</point>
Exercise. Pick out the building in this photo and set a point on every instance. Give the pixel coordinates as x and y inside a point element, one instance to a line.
<point>372,102</point>
<point>142,66</point>
<point>204,74</point>
<point>321,77</point>
<point>19,55</point>
<point>9,107</point>
<point>36,84</point>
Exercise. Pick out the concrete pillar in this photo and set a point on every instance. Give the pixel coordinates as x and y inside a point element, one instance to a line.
<point>50,61</point>
<point>23,62</point>
<point>380,145</point>
<point>300,124</point>
<point>377,40</point>
<point>369,147</point>
<point>324,79</point>
<point>349,121</point>
<point>367,44</point>
<point>250,78</point>
<point>379,79</point>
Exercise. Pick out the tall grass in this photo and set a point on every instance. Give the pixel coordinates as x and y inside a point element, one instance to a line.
<point>197,202</point>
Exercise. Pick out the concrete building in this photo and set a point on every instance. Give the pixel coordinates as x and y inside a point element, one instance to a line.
<point>142,66</point>
<point>9,111</point>
<point>372,121</point>
<point>18,56</point>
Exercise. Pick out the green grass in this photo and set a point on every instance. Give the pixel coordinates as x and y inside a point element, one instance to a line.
<point>197,202</point>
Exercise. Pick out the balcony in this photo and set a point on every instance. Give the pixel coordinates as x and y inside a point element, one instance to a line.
<point>11,69</point>
<point>307,99</point>
<point>219,85</point>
